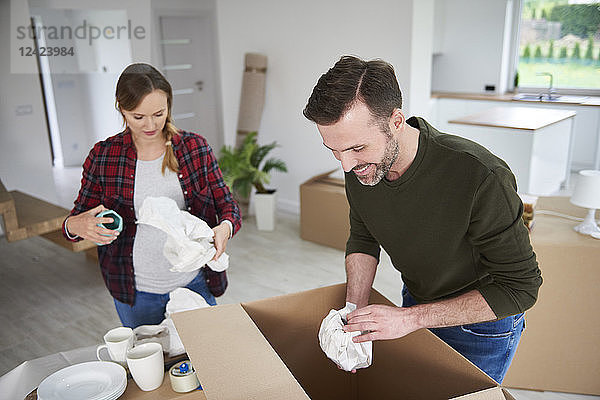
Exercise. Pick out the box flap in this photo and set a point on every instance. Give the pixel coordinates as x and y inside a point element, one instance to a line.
<point>298,344</point>
<point>319,177</point>
<point>408,365</point>
<point>242,363</point>
<point>495,393</point>
<point>326,178</point>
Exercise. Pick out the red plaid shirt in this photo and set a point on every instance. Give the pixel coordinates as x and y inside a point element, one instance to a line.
<point>108,179</point>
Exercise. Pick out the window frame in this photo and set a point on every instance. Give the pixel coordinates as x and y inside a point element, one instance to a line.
<point>514,64</point>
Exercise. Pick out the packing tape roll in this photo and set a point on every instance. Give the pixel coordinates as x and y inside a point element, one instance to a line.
<point>183,379</point>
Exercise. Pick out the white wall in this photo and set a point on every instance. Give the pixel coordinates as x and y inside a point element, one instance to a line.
<point>302,40</point>
<point>25,161</point>
<point>419,83</point>
<point>471,46</point>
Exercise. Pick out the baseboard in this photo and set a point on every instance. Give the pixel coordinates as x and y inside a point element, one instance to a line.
<point>288,206</point>
<point>576,167</point>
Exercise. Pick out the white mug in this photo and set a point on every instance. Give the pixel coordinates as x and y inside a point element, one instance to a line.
<point>147,366</point>
<point>117,342</point>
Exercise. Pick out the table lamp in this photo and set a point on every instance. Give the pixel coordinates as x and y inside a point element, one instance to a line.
<point>587,195</point>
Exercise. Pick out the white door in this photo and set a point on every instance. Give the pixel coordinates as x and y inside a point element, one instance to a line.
<point>187,45</point>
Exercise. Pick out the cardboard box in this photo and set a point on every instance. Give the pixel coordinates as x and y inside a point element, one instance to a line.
<point>560,350</point>
<point>324,211</point>
<point>268,349</point>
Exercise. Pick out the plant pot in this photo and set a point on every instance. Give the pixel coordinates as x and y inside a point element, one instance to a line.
<point>264,208</point>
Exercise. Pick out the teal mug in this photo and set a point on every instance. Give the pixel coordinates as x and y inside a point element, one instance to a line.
<point>116,225</point>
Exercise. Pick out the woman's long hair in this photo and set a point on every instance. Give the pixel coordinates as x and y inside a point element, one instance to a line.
<point>137,81</point>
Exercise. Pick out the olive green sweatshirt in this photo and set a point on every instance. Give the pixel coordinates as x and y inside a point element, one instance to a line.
<point>450,224</point>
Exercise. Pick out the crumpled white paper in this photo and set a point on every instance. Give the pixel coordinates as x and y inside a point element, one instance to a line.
<point>180,299</point>
<point>153,333</point>
<point>184,299</point>
<point>189,243</point>
<point>338,345</point>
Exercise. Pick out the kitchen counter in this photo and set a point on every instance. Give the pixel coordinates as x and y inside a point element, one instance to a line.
<point>592,101</point>
<point>515,118</point>
<point>586,125</point>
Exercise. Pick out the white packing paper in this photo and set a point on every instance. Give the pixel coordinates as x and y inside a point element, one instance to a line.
<point>338,345</point>
<point>180,299</point>
<point>184,299</point>
<point>189,243</point>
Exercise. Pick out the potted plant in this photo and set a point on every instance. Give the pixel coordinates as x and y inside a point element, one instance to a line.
<point>241,168</point>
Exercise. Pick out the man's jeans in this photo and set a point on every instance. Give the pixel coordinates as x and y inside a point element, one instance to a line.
<point>149,308</point>
<point>489,345</point>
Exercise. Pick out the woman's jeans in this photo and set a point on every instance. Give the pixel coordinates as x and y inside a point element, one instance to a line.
<point>489,345</point>
<point>149,308</point>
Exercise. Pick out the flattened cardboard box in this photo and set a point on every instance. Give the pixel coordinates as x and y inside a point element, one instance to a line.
<point>268,349</point>
<point>324,211</point>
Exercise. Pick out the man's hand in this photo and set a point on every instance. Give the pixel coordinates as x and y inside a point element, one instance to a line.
<point>221,238</point>
<point>381,322</point>
<point>387,322</point>
<point>85,225</point>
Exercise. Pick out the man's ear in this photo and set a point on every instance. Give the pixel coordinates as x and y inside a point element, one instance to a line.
<point>397,119</point>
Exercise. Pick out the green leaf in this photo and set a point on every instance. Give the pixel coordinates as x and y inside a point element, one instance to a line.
<point>276,164</point>
<point>241,166</point>
<point>260,153</point>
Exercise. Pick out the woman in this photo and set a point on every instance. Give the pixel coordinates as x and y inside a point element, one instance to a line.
<point>149,158</point>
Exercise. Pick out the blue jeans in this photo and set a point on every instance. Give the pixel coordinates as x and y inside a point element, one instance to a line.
<point>149,308</point>
<point>489,345</point>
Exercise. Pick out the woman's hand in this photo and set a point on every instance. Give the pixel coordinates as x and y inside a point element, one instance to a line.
<point>85,225</point>
<point>221,238</point>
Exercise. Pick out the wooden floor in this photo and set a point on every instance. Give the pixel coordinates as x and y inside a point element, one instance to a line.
<point>53,300</point>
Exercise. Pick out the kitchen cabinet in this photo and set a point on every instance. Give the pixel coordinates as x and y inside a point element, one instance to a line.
<point>534,142</point>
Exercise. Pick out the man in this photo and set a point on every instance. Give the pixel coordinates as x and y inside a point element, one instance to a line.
<point>444,208</point>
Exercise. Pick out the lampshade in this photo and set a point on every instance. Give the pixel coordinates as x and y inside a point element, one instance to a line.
<point>587,189</point>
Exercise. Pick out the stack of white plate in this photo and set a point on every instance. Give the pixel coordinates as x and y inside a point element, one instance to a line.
<point>95,380</point>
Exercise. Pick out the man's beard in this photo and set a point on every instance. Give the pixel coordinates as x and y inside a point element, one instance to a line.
<point>383,167</point>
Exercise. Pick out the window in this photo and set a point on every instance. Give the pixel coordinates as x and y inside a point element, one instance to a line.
<point>559,40</point>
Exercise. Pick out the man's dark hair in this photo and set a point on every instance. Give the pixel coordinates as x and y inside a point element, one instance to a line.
<point>350,80</point>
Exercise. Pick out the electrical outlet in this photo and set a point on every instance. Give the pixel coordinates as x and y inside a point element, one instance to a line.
<point>23,109</point>
<point>490,88</point>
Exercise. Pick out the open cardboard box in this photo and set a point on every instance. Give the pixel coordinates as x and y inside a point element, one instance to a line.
<point>269,349</point>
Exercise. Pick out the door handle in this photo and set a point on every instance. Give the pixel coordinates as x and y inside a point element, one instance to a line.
<point>200,85</point>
